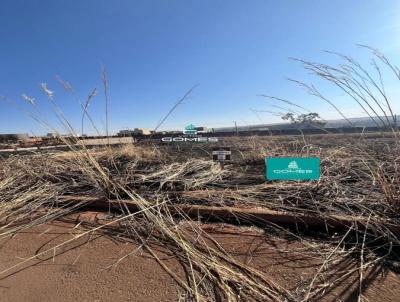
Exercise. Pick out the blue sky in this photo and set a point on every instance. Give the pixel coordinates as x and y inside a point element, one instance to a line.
<point>154,51</point>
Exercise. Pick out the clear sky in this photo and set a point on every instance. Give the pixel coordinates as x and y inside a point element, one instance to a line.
<point>154,51</point>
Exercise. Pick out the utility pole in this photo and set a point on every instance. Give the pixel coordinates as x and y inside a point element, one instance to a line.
<point>236,128</point>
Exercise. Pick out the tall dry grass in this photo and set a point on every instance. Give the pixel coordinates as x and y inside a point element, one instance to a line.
<point>360,179</point>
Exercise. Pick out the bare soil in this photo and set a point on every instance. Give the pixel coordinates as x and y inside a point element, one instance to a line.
<point>82,272</point>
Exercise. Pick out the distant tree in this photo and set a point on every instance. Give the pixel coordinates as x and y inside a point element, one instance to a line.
<point>289,117</point>
<point>305,119</point>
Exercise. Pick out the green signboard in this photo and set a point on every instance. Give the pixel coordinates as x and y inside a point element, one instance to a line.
<point>293,168</point>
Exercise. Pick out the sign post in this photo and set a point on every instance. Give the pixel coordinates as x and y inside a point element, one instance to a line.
<point>221,154</point>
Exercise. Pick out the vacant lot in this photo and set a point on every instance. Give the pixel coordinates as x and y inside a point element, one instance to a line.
<point>337,237</point>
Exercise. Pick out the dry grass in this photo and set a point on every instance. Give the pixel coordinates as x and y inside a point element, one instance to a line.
<point>359,179</point>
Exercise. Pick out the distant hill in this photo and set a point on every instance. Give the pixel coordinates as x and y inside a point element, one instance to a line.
<point>340,123</point>
<point>360,122</point>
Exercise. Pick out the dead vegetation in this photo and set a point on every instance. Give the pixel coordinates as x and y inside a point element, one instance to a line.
<point>359,179</point>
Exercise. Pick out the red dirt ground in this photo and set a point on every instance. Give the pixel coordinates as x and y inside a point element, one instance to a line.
<point>80,274</point>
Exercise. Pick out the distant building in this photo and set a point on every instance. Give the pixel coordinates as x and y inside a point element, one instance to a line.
<point>125,133</point>
<point>204,130</point>
<point>13,138</point>
<point>135,132</point>
<point>142,131</point>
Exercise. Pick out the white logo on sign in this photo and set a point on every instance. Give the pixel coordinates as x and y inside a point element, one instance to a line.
<point>293,165</point>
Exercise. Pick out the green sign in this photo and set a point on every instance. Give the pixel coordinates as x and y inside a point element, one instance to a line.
<point>293,168</point>
<point>190,129</point>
